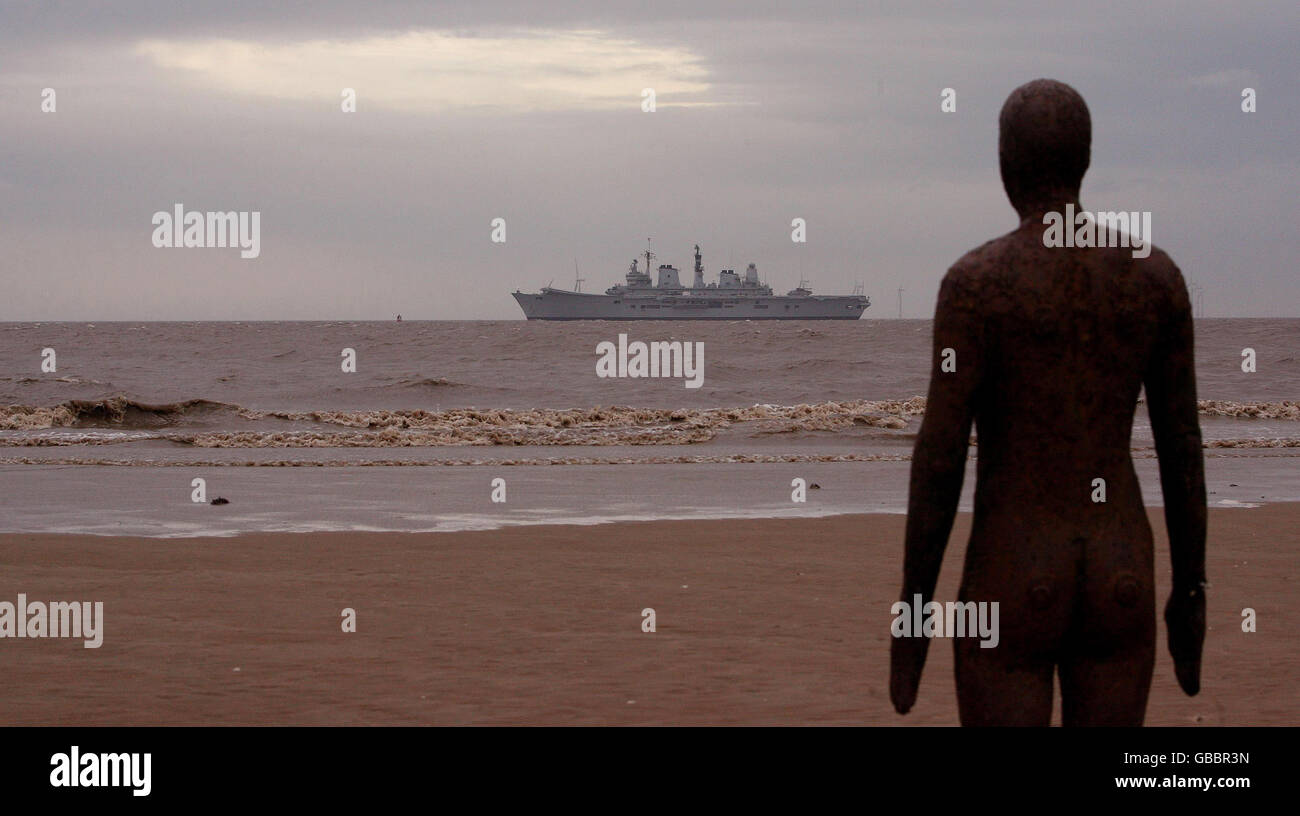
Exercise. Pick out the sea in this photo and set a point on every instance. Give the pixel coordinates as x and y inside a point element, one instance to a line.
<point>458,425</point>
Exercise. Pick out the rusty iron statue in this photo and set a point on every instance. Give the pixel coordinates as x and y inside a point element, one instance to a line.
<point>1046,349</point>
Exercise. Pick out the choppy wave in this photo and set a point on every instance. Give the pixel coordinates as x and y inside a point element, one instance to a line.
<point>122,411</point>
<point>426,382</point>
<point>1286,409</point>
<point>702,459</point>
<point>450,436</point>
<point>1276,442</point>
<point>118,411</point>
<point>65,380</point>
<point>741,458</point>
<point>615,425</point>
<point>612,425</point>
<point>27,417</point>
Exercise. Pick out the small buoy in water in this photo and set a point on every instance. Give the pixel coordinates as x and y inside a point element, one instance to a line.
<point>219,500</point>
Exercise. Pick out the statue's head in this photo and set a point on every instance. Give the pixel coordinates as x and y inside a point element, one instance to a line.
<point>1044,141</point>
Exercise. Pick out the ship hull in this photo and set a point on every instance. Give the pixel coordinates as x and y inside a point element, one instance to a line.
<point>555,304</point>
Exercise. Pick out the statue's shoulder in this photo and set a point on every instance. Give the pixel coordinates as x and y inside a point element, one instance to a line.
<point>1160,266</point>
<point>982,257</point>
<point>978,267</point>
<point>1164,277</point>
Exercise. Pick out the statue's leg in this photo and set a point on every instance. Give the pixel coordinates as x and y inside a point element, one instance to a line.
<point>1109,653</point>
<point>1002,685</point>
<point>1034,586</point>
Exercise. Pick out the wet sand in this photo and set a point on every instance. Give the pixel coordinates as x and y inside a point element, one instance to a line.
<point>765,621</point>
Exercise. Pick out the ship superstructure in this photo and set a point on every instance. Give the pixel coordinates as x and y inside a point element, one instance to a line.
<point>732,297</point>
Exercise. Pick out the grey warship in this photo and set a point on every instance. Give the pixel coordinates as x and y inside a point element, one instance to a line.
<point>732,298</point>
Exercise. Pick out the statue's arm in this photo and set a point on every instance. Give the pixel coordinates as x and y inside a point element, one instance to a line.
<point>1171,403</point>
<point>938,466</point>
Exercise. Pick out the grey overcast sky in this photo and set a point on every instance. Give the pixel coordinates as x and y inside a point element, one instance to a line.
<point>532,112</point>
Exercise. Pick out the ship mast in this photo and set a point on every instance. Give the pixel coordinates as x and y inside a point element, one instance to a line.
<point>648,256</point>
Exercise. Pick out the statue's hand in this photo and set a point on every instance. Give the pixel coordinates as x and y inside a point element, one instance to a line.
<point>1185,619</point>
<point>906,659</point>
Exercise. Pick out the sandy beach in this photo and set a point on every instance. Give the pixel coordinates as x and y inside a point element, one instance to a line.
<point>764,621</point>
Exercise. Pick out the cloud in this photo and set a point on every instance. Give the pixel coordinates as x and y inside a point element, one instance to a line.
<point>438,71</point>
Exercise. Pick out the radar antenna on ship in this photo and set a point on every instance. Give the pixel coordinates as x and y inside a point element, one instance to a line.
<point>648,256</point>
